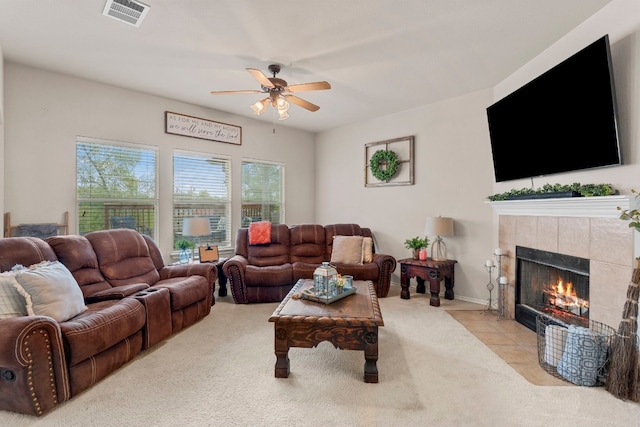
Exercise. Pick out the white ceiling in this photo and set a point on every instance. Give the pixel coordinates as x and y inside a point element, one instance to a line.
<point>380,56</point>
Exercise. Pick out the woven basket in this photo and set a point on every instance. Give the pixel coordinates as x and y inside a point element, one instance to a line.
<point>577,354</point>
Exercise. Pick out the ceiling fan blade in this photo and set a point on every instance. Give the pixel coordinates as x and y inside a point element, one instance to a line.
<point>257,74</point>
<point>302,103</point>
<point>233,92</point>
<point>306,87</point>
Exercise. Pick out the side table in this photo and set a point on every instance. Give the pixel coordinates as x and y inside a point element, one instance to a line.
<point>430,270</point>
<point>222,279</point>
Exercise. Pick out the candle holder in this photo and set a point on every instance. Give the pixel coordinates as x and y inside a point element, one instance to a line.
<point>498,254</point>
<point>489,266</point>
<point>502,286</point>
<point>502,283</point>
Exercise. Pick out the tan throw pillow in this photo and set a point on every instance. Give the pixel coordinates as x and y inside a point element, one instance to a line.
<point>347,250</point>
<point>50,289</point>
<point>367,250</point>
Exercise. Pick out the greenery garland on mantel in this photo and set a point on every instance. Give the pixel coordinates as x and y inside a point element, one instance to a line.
<point>386,158</point>
<point>587,190</point>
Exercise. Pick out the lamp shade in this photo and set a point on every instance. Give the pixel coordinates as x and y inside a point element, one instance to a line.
<point>196,226</point>
<point>259,106</point>
<point>438,226</point>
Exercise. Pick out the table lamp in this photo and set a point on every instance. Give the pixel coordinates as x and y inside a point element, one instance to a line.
<point>197,227</point>
<point>439,227</point>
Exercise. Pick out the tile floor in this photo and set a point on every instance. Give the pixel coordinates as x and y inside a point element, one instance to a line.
<point>514,343</point>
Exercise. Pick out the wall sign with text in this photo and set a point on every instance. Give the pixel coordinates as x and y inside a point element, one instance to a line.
<point>196,127</point>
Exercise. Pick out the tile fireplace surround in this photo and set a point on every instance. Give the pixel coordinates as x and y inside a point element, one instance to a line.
<point>586,227</point>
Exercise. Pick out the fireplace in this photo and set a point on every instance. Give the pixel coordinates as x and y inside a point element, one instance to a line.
<point>553,284</point>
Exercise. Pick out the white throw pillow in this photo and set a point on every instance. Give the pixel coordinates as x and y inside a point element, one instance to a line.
<point>50,289</point>
<point>12,304</point>
<point>347,250</point>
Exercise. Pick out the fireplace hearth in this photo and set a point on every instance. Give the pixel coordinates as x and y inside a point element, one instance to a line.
<point>553,284</point>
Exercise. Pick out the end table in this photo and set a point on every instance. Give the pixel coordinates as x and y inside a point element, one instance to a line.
<point>430,270</point>
<point>222,279</point>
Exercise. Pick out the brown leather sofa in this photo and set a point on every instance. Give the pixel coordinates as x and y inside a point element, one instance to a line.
<point>266,273</point>
<point>133,302</point>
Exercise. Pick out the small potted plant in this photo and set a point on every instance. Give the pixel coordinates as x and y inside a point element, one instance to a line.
<point>183,244</point>
<point>415,244</point>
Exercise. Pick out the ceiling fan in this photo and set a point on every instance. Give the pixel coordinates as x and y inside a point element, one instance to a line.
<point>277,90</point>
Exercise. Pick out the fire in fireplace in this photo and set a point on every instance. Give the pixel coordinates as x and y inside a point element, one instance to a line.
<point>553,284</point>
<point>563,298</point>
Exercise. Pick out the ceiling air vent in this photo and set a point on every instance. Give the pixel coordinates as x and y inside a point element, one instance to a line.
<point>129,11</point>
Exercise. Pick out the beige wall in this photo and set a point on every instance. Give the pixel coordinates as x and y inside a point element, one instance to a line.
<point>2,131</point>
<point>454,172</point>
<point>45,111</point>
<point>452,168</point>
<point>621,20</point>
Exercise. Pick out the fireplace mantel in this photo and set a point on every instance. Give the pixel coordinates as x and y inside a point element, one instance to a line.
<point>590,207</point>
<point>609,253</point>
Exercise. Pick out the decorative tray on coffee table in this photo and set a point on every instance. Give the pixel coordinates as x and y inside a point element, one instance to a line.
<point>309,294</point>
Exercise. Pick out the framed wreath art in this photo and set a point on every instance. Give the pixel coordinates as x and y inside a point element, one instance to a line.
<point>389,162</point>
<point>384,164</point>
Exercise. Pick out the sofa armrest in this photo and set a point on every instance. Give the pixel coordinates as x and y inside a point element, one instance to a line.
<point>234,269</point>
<point>206,270</point>
<point>33,369</point>
<point>185,270</point>
<point>386,266</point>
<point>116,292</point>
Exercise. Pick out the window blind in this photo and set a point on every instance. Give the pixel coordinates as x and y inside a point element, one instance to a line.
<point>262,192</point>
<point>201,187</point>
<point>116,186</point>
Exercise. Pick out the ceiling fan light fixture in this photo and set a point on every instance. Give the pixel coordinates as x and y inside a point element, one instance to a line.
<point>259,106</point>
<point>282,104</point>
<point>276,89</point>
<point>283,115</point>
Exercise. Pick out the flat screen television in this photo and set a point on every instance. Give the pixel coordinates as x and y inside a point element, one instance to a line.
<point>563,120</point>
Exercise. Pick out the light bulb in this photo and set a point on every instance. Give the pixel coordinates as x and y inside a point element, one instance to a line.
<point>259,107</point>
<point>282,104</point>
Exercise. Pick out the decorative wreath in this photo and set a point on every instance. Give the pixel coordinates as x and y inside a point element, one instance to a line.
<point>381,158</point>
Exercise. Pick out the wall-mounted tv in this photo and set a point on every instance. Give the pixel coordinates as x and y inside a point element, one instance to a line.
<point>564,120</point>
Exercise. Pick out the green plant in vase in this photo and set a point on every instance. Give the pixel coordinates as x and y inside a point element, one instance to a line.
<point>415,244</point>
<point>184,244</point>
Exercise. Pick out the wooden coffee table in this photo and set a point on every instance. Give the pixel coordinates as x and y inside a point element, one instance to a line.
<point>349,324</point>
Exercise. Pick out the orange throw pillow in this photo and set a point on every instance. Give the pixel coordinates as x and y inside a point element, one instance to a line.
<point>260,233</point>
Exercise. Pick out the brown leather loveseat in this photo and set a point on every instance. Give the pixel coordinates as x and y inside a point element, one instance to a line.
<point>266,272</point>
<point>129,301</point>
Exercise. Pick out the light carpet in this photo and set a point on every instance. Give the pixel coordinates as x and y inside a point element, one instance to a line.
<point>432,371</point>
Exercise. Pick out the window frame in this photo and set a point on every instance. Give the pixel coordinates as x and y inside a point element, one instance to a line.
<point>282,202</point>
<point>199,205</point>
<point>152,201</point>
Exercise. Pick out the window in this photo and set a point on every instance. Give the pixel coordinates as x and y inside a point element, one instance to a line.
<point>117,186</point>
<point>262,192</point>
<point>201,187</point>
